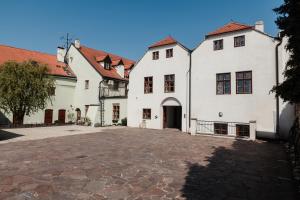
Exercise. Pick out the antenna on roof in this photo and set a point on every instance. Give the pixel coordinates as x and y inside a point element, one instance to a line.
<point>66,40</point>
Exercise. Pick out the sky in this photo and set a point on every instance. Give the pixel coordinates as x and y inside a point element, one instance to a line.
<point>124,27</point>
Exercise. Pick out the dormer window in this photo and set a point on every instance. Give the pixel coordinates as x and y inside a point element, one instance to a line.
<point>107,65</point>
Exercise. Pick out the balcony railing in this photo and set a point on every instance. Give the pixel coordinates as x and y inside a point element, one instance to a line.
<point>223,128</point>
<point>110,92</point>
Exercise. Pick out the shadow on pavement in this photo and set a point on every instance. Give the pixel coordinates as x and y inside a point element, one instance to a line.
<point>247,170</point>
<point>5,135</point>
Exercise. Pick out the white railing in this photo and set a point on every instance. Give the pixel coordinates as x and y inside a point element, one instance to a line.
<point>199,127</point>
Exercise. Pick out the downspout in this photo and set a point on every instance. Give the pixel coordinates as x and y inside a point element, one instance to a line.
<point>277,83</point>
<point>100,99</point>
<point>190,86</point>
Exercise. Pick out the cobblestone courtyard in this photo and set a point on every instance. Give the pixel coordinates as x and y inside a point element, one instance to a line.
<point>143,164</point>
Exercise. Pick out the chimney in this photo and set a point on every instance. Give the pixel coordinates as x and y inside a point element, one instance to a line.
<point>259,25</point>
<point>61,53</point>
<point>77,43</point>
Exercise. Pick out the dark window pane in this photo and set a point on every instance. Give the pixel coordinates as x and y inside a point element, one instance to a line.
<point>247,86</point>
<point>239,75</point>
<point>227,76</point>
<point>227,87</point>
<point>248,75</point>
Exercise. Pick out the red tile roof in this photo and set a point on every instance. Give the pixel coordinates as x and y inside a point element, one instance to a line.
<point>8,53</point>
<point>167,41</point>
<point>230,27</point>
<point>117,62</point>
<point>92,54</point>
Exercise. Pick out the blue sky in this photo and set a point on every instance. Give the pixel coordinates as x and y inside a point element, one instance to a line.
<point>125,27</point>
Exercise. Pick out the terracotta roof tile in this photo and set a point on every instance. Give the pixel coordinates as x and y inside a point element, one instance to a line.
<point>167,41</point>
<point>90,54</point>
<point>230,27</point>
<point>8,53</point>
<point>117,62</point>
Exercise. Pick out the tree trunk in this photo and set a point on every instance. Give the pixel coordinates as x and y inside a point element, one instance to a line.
<point>18,118</point>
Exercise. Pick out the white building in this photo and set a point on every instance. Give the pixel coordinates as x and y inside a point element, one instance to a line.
<point>65,81</point>
<point>158,87</point>
<point>233,71</point>
<point>82,75</point>
<point>99,71</point>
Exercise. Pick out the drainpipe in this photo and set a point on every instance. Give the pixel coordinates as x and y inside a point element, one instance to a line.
<point>277,83</point>
<point>100,99</point>
<point>190,86</point>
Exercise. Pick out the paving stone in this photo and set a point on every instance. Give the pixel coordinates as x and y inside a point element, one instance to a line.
<point>144,164</point>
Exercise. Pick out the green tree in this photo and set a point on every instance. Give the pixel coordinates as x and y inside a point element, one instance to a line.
<point>288,20</point>
<point>24,88</point>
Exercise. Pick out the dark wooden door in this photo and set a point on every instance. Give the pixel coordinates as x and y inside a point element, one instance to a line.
<point>48,116</point>
<point>61,116</point>
<point>164,117</point>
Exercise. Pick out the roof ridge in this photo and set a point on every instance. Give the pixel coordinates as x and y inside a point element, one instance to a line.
<point>230,27</point>
<point>4,45</point>
<point>122,57</point>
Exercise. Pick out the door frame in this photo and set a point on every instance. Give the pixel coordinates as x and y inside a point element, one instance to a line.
<point>47,111</point>
<point>59,116</point>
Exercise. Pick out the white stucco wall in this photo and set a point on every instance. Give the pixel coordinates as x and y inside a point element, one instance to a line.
<point>258,55</point>
<point>84,71</point>
<point>63,99</point>
<point>137,100</point>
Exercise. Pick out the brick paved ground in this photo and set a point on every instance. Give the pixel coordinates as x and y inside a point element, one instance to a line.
<point>143,164</point>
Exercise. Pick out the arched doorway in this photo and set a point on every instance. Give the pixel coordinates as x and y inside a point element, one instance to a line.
<point>172,113</point>
<point>78,114</point>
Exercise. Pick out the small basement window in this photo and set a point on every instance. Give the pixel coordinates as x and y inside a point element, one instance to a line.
<point>242,130</point>
<point>146,113</point>
<point>221,128</point>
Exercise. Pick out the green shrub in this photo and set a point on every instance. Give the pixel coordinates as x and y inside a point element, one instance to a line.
<point>124,122</point>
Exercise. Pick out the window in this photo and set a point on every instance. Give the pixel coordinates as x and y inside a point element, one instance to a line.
<point>218,45</point>
<point>52,91</point>
<point>107,65</point>
<point>86,85</point>
<point>116,112</point>
<point>242,130</point>
<point>148,84</point>
<point>221,128</point>
<point>239,41</point>
<point>224,83</point>
<point>146,113</point>
<point>170,83</point>
<point>116,85</point>
<point>155,55</point>
<point>169,53</point>
<point>244,82</point>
